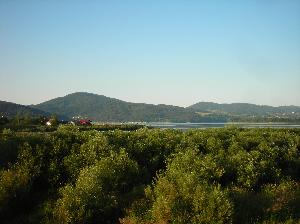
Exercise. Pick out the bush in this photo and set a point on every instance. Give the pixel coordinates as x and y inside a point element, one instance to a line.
<point>98,192</point>
<point>285,200</point>
<point>182,193</point>
<point>16,182</point>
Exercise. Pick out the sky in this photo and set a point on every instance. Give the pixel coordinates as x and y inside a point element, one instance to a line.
<point>160,52</point>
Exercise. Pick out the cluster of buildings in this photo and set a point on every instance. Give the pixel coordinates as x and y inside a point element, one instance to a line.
<point>81,122</point>
<point>74,121</point>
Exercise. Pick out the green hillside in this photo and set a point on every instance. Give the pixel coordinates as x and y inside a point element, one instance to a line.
<point>102,108</point>
<point>106,109</point>
<point>243,108</point>
<point>247,112</point>
<point>12,109</point>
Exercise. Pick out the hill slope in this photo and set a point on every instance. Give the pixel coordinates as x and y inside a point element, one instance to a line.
<point>243,109</point>
<point>102,108</point>
<point>11,109</point>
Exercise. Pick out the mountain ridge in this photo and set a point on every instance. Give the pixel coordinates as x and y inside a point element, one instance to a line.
<point>243,108</point>
<point>102,108</point>
<point>11,109</point>
<point>107,109</point>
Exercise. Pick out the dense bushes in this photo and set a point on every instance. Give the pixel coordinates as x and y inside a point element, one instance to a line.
<point>16,182</point>
<point>98,192</point>
<point>224,175</point>
<point>182,194</point>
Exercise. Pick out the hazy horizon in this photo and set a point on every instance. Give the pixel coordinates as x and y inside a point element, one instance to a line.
<point>171,52</point>
<point>153,103</point>
<point>169,104</point>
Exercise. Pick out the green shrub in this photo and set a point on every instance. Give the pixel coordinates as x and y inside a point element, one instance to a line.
<point>87,154</point>
<point>285,200</point>
<point>97,194</point>
<point>16,182</point>
<point>182,194</point>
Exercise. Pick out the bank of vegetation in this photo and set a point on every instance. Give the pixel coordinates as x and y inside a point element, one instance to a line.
<point>226,175</point>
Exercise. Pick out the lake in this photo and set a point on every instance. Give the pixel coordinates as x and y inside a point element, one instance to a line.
<point>182,126</point>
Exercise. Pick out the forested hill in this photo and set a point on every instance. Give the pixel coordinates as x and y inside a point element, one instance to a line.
<point>102,108</point>
<point>12,109</point>
<point>106,109</point>
<point>244,109</point>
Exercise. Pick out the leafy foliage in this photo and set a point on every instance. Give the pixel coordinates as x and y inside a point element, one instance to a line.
<point>74,175</point>
<point>98,191</point>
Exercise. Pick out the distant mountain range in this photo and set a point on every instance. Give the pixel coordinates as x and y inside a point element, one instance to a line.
<point>245,112</point>
<point>243,108</point>
<point>105,109</point>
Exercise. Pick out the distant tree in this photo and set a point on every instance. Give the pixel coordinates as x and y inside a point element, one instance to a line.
<point>17,119</point>
<point>27,120</point>
<point>54,120</point>
<point>3,120</point>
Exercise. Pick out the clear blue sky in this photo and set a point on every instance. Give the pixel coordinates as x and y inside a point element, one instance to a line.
<point>171,52</point>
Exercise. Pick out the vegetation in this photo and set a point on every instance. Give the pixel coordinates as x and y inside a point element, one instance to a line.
<point>226,175</point>
<point>28,123</point>
<point>104,109</point>
<point>8,109</point>
<point>245,112</point>
<point>244,108</point>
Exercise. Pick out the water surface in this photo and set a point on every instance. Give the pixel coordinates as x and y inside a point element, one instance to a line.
<point>171,125</point>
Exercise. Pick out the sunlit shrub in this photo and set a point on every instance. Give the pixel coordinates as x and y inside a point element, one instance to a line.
<point>86,154</point>
<point>183,194</point>
<point>97,193</point>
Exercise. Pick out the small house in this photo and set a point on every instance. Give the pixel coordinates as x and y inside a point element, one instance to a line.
<point>85,122</point>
